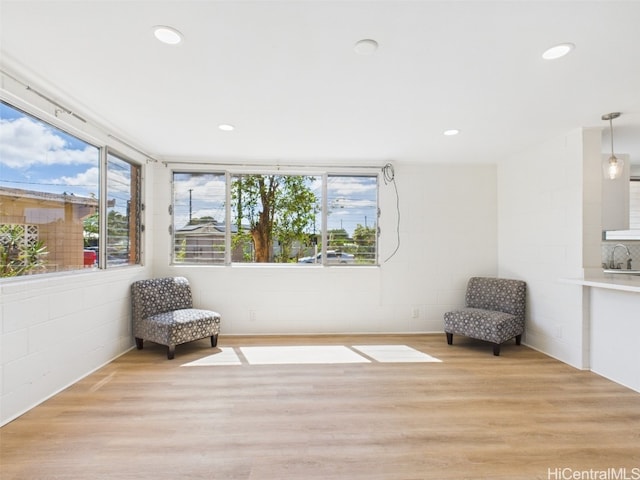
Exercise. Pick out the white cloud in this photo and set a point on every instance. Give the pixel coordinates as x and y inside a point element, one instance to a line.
<point>353,203</point>
<point>202,186</point>
<point>24,143</point>
<point>351,185</point>
<point>207,197</point>
<point>83,179</point>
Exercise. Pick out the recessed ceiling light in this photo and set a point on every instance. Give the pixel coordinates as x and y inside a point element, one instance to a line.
<point>451,133</point>
<point>558,51</point>
<point>168,35</point>
<point>365,46</point>
<point>225,127</point>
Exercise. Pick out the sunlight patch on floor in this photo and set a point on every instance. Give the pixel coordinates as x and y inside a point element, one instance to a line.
<point>312,354</point>
<point>226,356</point>
<point>302,354</point>
<point>395,353</point>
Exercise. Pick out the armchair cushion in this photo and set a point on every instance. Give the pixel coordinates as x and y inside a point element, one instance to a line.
<point>487,325</point>
<point>180,326</point>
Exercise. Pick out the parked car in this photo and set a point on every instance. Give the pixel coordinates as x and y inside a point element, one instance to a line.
<point>90,258</point>
<point>332,257</point>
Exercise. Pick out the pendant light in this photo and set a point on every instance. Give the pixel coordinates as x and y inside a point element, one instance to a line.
<point>612,167</point>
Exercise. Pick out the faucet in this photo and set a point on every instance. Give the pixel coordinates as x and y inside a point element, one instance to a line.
<point>612,263</point>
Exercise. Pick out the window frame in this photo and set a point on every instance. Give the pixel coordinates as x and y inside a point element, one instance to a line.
<point>134,215</point>
<point>230,171</point>
<point>325,228</point>
<point>172,213</point>
<point>100,141</point>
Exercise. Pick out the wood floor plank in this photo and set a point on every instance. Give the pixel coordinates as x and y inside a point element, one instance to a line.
<point>518,416</point>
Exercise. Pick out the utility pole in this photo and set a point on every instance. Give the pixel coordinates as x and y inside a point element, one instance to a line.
<point>190,210</point>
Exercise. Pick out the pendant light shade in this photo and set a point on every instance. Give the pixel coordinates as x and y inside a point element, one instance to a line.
<point>613,166</point>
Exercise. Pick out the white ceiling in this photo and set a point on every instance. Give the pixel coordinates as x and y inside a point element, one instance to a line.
<point>285,74</point>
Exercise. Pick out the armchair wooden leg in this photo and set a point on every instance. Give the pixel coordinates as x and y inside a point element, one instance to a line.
<point>214,340</point>
<point>518,339</point>
<point>449,338</point>
<point>496,349</point>
<point>171,351</point>
<point>139,343</point>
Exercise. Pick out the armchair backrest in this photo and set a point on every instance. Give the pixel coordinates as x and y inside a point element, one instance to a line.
<point>158,295</point>
<point>497,294</point>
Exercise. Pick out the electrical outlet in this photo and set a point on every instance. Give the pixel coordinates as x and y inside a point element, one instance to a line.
<point>252,315</point>
<point>415,312</point>
<point>558,331</point>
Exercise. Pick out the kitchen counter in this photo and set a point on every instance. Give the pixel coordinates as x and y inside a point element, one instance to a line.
<point>612,326</point>
<point>611,281</point>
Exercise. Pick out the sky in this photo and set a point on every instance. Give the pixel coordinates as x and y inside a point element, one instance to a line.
<point>37,156</point>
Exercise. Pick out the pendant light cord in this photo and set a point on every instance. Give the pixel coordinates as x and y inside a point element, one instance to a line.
<point>611,129</point>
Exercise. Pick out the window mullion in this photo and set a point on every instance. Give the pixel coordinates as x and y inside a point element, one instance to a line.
<point>227,219</point>
<point>324,219</point>
<point>102,209</point>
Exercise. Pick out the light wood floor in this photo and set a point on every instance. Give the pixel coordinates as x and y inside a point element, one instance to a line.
<point>518,416</point>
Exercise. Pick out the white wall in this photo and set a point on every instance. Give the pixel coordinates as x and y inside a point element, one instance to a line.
<point>57,329</point>
<point>549,228</point>
<point>448,232</point>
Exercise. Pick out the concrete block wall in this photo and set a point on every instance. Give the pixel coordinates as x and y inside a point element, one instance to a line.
<point>57,329</point>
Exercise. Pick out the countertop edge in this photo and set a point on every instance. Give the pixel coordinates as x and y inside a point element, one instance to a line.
<point>629,283</point>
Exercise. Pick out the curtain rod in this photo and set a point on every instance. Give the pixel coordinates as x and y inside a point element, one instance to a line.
<point>132,147</point>
<point>53,102</point>
<point>43,96</point>
<point>275,165</point>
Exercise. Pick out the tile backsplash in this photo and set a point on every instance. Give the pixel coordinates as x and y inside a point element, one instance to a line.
<point>621,254</point>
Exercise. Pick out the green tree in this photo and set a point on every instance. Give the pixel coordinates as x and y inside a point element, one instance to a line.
<point>181,253</point>
<point>117,224</point>
<point>337,237</point>
<point>91,227</point>
<point>275,207</point>
<point>365,239</point>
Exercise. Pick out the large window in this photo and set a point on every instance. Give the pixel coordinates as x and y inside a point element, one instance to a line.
<point>50,198</point>
<point>275,218</point>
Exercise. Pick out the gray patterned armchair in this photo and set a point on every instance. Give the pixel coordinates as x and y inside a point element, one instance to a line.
<point>494,312</point>
<point>162,312</point>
